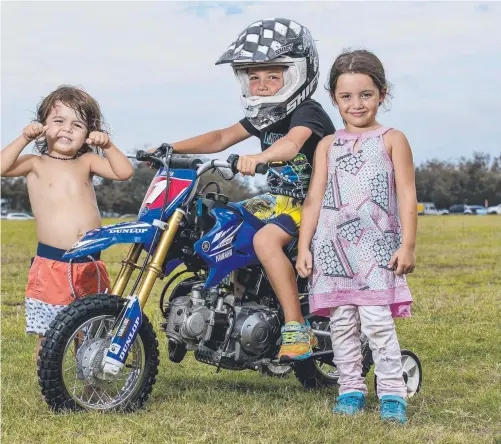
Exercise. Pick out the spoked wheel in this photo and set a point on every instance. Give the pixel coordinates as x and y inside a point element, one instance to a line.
<point>317,372</point>
<point>276,371</point>
<point>70,365</point>
<point>313,373</point>
<point>412,372</point>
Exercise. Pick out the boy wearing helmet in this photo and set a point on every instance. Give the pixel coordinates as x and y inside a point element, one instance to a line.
<point>276,63</point>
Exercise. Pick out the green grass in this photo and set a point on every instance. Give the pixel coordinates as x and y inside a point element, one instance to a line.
<point>454,330</point>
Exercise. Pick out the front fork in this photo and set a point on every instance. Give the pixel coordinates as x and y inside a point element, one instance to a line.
<point>127,327</point>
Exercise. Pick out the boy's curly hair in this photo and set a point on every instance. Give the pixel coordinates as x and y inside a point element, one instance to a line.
<point>84,105</point>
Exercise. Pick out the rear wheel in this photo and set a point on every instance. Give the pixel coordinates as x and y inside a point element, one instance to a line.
<point>69,367</point>
<point>318,372</point>
<point>313,373</point>
<point>276,371</point>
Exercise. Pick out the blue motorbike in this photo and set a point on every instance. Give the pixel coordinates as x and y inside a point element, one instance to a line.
<point>101,352</point>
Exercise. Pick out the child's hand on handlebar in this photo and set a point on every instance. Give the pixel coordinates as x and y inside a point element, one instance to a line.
<point>157,151</point>
<point>247,164</point>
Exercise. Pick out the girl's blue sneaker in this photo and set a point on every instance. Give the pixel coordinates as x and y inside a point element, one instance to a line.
<point>349,403</point>
<point>393,408</point>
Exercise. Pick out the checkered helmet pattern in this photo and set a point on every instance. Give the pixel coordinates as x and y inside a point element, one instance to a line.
<point>274,41</point>
<point>266,40</point>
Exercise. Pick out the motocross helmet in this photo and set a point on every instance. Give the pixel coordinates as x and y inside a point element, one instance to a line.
<point>274,41</point>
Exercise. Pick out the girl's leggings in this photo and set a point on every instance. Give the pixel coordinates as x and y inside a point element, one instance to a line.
<point>376,322</point>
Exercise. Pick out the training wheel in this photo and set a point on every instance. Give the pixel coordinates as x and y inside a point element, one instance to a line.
<point>413,374</point>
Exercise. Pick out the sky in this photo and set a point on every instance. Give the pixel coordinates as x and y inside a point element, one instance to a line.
<point>151,66</point>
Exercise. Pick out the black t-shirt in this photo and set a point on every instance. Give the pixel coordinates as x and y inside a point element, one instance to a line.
<point>292,178</point>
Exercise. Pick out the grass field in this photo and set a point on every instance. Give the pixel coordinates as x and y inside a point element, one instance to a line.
<point>454,330</point>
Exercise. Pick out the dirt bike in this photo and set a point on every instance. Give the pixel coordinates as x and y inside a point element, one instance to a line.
<point>101,352</point>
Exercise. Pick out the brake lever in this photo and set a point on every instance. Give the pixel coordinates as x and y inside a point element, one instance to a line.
<point>151,159</point>
<point>162,150</point>
<point>222,175</point>
<point>233,161</point>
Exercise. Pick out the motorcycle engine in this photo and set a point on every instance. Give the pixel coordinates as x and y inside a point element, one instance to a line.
<point>187,321</point>
<point>255,327</point>
<point>246,331</point>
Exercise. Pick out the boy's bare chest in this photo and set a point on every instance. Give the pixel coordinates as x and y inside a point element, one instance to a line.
<point>60,179</point>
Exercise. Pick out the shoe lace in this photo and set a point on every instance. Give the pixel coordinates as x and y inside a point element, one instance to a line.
<point>392,407</point>
<point>350,401</point>
<point>293,337</point>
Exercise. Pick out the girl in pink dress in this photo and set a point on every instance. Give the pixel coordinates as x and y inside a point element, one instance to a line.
<point>358,235</point>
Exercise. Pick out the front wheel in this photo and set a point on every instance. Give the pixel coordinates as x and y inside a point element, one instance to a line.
<point>69,366</point>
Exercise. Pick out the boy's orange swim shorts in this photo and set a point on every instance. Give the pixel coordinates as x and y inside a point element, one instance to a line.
<point>48,290</point>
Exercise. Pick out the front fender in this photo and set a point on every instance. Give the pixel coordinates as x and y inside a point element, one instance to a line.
<point>101,238</point>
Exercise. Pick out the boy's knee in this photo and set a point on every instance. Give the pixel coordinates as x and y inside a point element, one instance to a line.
<point>259,240</point>
<point>266,243</point>
<point>261,245</point>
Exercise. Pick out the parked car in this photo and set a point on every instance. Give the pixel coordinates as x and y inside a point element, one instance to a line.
<point>457,208</point>
<point>109,214</point>
<point>428,208</point>
<point>494,210</point>
<point>479,210</point>
<point>18,216</point>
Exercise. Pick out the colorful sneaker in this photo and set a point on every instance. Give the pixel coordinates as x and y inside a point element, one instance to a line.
<point>313,338</point>
<point>296,341</point>
<point>393,408</point>
<point>349,404</point>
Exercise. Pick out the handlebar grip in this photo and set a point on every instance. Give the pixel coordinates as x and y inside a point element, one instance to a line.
<point>233,161</point>
<point>142,155</point>
<point>185,163</point>
<point>161,151</point>
<point>261,168</point>
<point>145,156</point>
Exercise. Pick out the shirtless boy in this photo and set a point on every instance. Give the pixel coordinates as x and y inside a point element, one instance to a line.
<point>62,197</point>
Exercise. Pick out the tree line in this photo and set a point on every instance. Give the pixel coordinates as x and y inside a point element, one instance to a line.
<point>467,180</point>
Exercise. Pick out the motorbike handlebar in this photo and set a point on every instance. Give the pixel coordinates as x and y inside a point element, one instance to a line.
<point>261,168</point>
<point>185,163</point>
<point>189,163</point>
<point>182,163</point>
<point>145,156</point>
